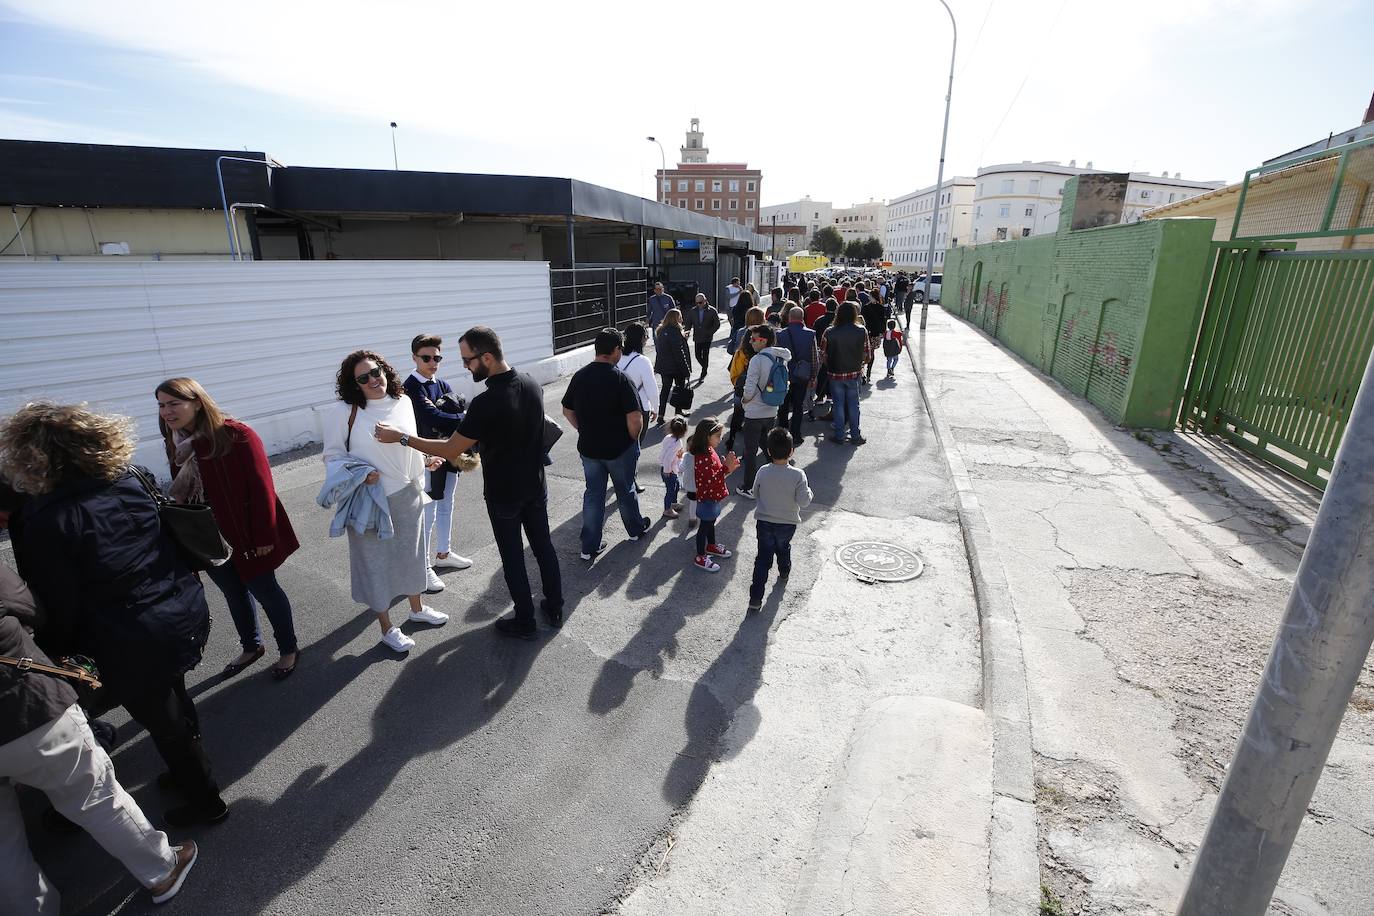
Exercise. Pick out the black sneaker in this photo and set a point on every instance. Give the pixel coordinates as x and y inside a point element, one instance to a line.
<point>515,629</point>
<point>857,440</point>
<point>645,522</point>
<point>553,617</point>
<point>755,606</point>
<point>197,813</point>
<point>837,440</point>
<point>594,554</point>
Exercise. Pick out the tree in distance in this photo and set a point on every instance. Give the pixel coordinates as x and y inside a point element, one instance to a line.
<point>854,250</point>
<point>873,249</point>
<point>827,241</point>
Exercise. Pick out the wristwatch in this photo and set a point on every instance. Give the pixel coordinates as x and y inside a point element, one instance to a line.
<point>405,439</point>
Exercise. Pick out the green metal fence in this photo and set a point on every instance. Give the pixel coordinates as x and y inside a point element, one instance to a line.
<point>1319,195</point>
<point>1284,342</point>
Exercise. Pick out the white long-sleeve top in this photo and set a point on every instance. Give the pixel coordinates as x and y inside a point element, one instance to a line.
<point>640,372</point>
<point>399,465</point>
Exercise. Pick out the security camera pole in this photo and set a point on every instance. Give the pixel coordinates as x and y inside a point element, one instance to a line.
<point>1318,653</point>
<point>940,175</point>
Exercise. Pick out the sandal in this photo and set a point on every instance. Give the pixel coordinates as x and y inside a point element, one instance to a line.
<point>280,674</point>
<point>234,668</point>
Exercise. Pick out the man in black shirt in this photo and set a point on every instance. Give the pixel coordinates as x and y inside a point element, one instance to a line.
<point>508,420</point>
<point>601,404</point>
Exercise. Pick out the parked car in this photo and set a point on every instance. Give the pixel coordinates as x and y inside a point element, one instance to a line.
<point>918,288</point>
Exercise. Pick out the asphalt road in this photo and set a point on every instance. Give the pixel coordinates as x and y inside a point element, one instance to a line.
<point>479,774</point>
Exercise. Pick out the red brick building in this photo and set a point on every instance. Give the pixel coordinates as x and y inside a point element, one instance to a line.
<point>728,190</point>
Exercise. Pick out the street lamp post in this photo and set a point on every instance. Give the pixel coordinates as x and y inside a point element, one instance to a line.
<point>395,163</point>
<point>940,175</point>
<point>663,161</point>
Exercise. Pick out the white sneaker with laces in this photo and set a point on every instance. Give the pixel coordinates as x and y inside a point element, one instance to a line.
<point>452,561</point>
<point>432,582</point>
<point>427,614</point>
<point>395,639</point>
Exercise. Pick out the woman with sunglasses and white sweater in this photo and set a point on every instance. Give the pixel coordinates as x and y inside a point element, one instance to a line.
<point>382,568</point>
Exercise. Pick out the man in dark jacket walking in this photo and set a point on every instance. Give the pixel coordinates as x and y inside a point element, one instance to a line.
<point>846,349</point>
<point>701,323</point>
<point>802,367</point>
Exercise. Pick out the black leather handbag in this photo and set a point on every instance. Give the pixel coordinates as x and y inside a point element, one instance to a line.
<point>192,528</point>
<point>681,398</point>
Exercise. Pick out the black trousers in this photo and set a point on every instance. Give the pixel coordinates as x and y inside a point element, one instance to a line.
<point>168,713</point>
<point>703,353</point>
<point>669,382</point>
<point>531,516</point>
<point>790,413</point>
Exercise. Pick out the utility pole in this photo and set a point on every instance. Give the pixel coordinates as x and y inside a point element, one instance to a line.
<point>773,251</point>
<point>395,163</point>
<point>940,175</point>
<point>1317,657</point>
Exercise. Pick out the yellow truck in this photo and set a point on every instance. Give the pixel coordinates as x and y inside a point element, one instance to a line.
<point>804,261</point>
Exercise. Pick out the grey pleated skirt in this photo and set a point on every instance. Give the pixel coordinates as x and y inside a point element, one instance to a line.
<point>383,570</point>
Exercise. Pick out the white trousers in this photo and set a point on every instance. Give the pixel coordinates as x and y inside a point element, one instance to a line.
<point>63,760</point>
<point>440,515</point>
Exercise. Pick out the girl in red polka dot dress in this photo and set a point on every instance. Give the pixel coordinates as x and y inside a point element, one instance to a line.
<point>710,473</point>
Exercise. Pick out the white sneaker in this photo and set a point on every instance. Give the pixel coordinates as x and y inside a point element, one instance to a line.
<point>452,561</point>
<point>747,494</point>
<point>432,582</point>
<point>427,614</point>
<point>400,642</point>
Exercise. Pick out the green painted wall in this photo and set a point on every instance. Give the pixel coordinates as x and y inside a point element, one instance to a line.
<point>1111,313</point>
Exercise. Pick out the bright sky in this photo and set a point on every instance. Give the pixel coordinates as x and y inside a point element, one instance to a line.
<point>840,102</point>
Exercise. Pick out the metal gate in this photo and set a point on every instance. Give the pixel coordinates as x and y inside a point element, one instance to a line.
<point>1284,342</point>
<point>585,300</point>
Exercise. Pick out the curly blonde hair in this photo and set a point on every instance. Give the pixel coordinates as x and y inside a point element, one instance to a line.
<point>43,443</point>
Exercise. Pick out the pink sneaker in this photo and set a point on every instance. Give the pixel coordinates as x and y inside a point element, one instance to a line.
<point>706,563</point>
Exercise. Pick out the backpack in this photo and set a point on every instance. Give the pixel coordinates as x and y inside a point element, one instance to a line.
<point>774,393</point>
<point>891,347</point>
<point>739,363</point>
<point>801,363</point>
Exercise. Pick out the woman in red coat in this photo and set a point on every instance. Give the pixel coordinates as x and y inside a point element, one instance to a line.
<point>220,461</point>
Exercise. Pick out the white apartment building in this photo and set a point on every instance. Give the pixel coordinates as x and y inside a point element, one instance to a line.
<point>813,214</point>
<point>912,218</point>
<point>862,221</point>
<point>1017,200</point>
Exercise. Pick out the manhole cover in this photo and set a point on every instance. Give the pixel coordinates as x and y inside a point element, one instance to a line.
<point>874,561</point>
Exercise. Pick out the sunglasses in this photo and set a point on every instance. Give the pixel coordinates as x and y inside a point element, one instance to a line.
<point>362,379</point>
<point>473,358</point>
<point>425,357</point>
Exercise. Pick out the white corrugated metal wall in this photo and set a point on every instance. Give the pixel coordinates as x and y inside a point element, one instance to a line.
<point>264,338</point>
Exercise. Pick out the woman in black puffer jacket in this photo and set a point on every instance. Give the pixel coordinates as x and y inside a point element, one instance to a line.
<point>91,547</point>
<point>672,359</point>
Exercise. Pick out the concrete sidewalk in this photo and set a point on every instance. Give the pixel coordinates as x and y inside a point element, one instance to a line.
<point>1147,574</point>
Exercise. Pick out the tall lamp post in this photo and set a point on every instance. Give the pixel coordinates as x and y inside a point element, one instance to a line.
<point>940,175</point>
<point>395,163</point>
<point>662,160</point>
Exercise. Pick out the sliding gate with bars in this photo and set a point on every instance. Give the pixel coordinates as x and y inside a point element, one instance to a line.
<point>586,299</point>
<point>1284,342</point>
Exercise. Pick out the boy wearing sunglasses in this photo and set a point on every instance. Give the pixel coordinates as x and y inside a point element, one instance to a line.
<point>437,414</point>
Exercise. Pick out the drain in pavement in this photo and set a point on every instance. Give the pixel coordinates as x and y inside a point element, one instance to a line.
<point>875,561</point>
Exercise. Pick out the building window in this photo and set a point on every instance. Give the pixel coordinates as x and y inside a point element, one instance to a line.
<point>1171,197</point>
<point>748,221</point>
<point>700,204</point>
<point>791,241</point>
<point>749,204</point>
<point>700,185</point>
<point>1025,233</point>
<point>1004,210</point>
<point>978,211</point>
<point>751,186</point>
<point>682,184</point>
<point>1144,195</point>
<point>734,204</point>
<point>667,184</point>
<point>1008,185</point>
<point>715,186</point>
<point>1001,233</point>
<point>734,185</point>
<point>1035,186</point>
<point>682,202</point>
<point>715,203</point>
<point>1030,211</point>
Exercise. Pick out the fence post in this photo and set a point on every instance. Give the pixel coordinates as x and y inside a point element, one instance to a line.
<point>1317,657</point>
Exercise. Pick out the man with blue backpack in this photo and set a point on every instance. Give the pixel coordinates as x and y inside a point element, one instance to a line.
<point>766,384</point>
<point>800,341</point>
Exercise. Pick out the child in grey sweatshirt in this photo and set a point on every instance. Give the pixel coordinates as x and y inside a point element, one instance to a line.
<point>782,492</point>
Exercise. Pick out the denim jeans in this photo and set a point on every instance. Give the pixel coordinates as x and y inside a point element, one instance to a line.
<point>239,596</point>
<point>846,414</point>
<point>892,364</point>
<point>790,413</point>
<point>775,540</point>
<point>755,430</point>
<point>531,516</point>
<point>671,482</point>
<point>439,514</point>
<point>621,471</point>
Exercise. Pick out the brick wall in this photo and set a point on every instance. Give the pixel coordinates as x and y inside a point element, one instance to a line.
<point>1111,313</point>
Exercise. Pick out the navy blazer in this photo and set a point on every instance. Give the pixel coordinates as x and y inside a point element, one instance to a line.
<point>430,421</point>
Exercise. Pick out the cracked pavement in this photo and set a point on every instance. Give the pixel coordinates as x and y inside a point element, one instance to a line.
<point>1149,571</point>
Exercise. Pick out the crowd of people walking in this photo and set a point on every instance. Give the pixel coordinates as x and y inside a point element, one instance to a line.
<point>107,581</point>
